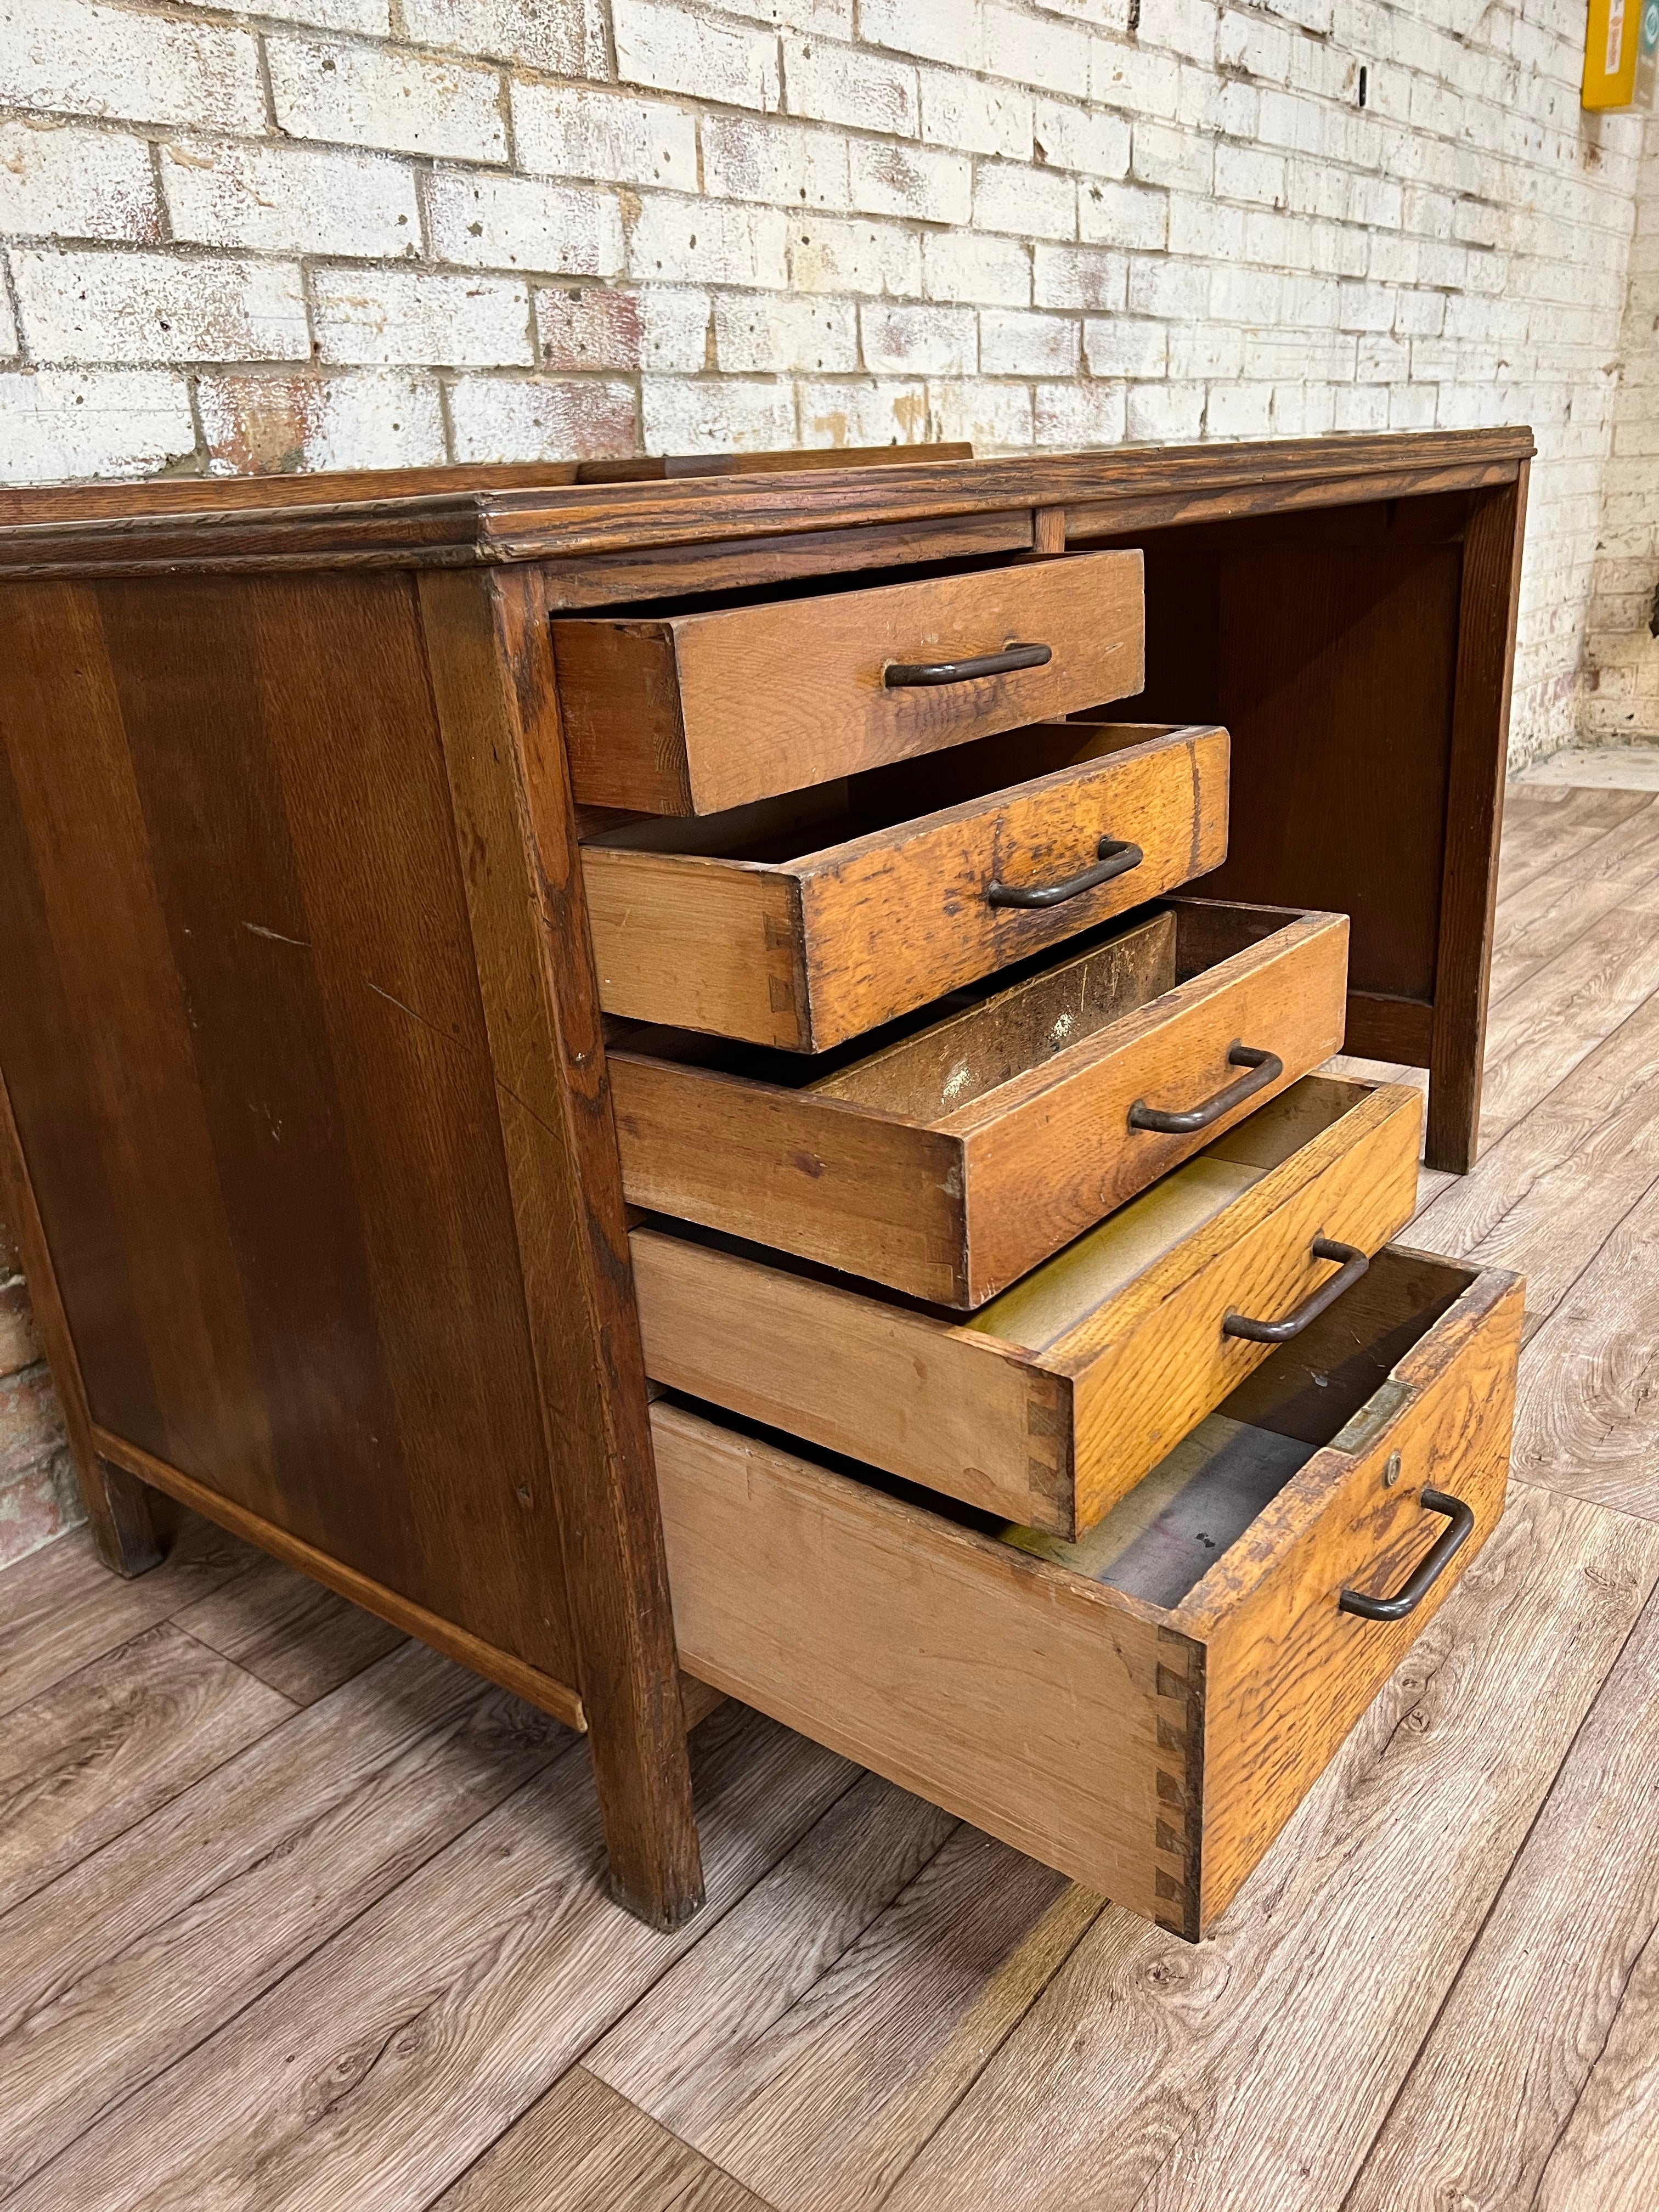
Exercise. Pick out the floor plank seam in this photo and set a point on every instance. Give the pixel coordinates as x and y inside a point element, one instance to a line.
<point>1506,998</point>
<point>1647,1192</point>
<point>1193,2162</point>
<point>765,1874</point>
<point>182,2057</point>
<point>1493,1904</point>
<point>253,1673</point>
<point>1491,1145</point>
<point>161,1804</point>
<point>1613,2021</point>
<point>762,2203</point>
<point>1611,830</point>
<point>1001,2045</point>
<point>225,1659</point>
<point>1571,874</point>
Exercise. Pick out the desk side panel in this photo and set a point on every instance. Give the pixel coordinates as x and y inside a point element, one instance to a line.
<point>241,1029</point>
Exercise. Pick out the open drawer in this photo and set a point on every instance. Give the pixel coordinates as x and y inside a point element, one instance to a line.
<point>953,1157</point>
<point>1146,1719</point>
<point>803,921</point>
<point>1057,1397</point>
<point>691,713</point>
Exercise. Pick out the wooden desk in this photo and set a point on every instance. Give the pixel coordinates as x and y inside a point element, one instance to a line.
<point>307,1134</point>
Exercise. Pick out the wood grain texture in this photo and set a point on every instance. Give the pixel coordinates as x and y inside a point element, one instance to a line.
<point>1381,1027</point>
<point>1544,915</point>
<point>1541,1995</point>
<point>1586,1420</point>
<point>1152,2073</point>
<point>1250,2056</point>
<point>852,1187</point>
<point>60,1609</point>
<point>1489,606</point>
<point>1542,1030</point>
<point>988,1038</point>
<point>699,942</point>
<point>1048,1148</point>
<point>650,468</point>
<point>581,2147</point>
<point>977,1675</point>
<point>690,714</point>
<point>332,488</point>
<point>1547,1194</point>
<point>1287,1675</point>
<point>1146,1369</point>
<point>687,2045</point>
<point>1608,2160</point>
<point>1548,829</point>
<point>247,1052</point>
<point>811,2061</point>
<point>1365,679</point>
<point>1129,489</point>
<point>127,1962</point>
<point>508,1958</point>
<point>1332,669</point>
<point>499,726</point>
<point>951,1206</point>
<point>101,1749</point>
<point>807,948</point>
<point>546,1691</point>
<point>118,1508</point>
<point>574,585</point>
<point>1051,1436</point>
<point>288,1631</point>
<point>899,1390</point>
<point>209,496</point>
<point>1015,1695</point>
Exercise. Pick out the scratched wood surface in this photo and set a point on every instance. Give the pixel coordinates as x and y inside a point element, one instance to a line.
<point>294,1915</point>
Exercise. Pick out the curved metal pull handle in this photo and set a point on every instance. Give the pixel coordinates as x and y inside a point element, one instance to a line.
<point>1266,1067</point>
<point>1113,857</point>
<point>1354,1264</point>
<point>1462,1518</point>
<point>899,675</point>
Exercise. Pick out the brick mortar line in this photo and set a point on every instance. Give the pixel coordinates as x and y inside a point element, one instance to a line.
<point>260,26</point>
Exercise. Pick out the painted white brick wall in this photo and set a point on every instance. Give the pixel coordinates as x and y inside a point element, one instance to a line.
<point>298,233</point>
<point>1621,654</point>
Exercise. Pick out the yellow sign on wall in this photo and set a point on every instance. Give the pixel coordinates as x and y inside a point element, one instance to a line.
<point>1622,34</point>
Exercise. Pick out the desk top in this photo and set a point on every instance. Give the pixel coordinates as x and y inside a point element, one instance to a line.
<point>561,511</point>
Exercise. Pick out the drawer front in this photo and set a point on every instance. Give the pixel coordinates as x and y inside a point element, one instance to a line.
<point>874,1169</point>
<point>1051,1425</point>
<point>1289,1672</point>
<point>1151,1752</point>
<point>806,952</point>
<point>689,714</point>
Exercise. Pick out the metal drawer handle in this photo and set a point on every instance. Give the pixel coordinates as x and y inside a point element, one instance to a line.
<point>1266,1067</point>
<point>899,674</point>
<point>1113,857</point>
<point>1462,1518</point>
<point>1354,1264</point>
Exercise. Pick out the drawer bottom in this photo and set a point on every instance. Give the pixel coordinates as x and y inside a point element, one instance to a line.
<point>1145,1710</point>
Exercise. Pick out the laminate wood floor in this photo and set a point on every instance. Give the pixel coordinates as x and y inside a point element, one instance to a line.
<point>295,1915</point>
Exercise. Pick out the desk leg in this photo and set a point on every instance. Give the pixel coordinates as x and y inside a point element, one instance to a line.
<point>118,1507</point>
<point>490,656</point>
<point>1474,818</point>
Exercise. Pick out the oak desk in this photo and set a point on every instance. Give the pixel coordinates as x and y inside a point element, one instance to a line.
<point>308,1133</point>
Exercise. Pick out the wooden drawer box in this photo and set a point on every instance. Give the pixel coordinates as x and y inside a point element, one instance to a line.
<point>688,713</point>
<point>948,1162</point>
<point>1150,1746</point>
<point>1061,1394</point>
<point>803,921</point>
